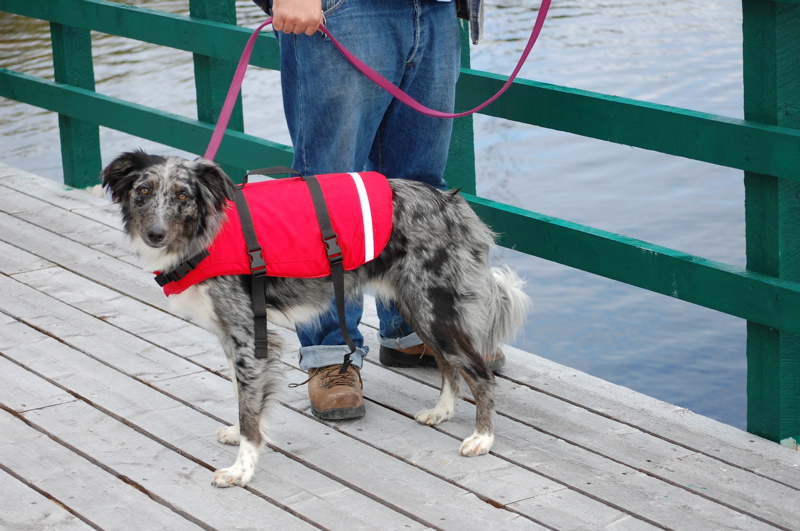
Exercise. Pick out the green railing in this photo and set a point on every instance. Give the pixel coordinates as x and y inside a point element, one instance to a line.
<point>766,146</point>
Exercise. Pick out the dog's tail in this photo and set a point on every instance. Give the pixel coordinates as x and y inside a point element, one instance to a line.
<point>508,307</point>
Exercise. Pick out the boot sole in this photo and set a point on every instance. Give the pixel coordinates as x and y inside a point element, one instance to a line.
<point>389,357</point>
<point>340,414</point>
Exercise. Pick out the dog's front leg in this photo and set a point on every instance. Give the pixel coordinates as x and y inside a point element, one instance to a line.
<point>230,434</point>
<point>247,432</point>
<point>255,382</point>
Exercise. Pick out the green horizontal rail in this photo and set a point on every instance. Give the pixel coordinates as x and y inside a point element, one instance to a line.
<point>759,298</point>
<point>163,127</point>
<point>213,39</point>
<point>740,144</point>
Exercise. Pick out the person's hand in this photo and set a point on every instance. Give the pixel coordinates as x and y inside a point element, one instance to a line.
<point>297,16</point>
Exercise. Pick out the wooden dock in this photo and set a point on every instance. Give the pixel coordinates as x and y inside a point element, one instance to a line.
<point>109,405</point>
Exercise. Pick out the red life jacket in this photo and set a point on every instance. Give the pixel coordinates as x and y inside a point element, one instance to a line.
<point>360,206</point>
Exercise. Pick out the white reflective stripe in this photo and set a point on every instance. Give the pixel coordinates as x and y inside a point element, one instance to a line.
<point>366,215</point>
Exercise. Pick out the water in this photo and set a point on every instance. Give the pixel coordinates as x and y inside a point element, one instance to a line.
<point>685,53</point>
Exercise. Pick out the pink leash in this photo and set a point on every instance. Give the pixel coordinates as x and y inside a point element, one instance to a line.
<point>236,84</point>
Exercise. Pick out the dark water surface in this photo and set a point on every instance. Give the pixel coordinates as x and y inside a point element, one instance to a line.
<point>685,53</point>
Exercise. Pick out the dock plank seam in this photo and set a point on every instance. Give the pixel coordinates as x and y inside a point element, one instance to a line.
<point>648,432</point>
<point>61,503</point>
<point>127,481</point>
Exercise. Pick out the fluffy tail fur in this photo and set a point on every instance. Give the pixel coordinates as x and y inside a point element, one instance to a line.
<point>508,307</point>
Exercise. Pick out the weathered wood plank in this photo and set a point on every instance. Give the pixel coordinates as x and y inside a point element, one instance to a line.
<point>91,203</point>
<point>82,260</point>
<point>493,478</point>
<point>84,332</point>
<point>21,392</point>
<point>570,452</point>
<point>160,328</point>
<point>642,453</point>
<point>459,506</point>
<point>50,191</point>
<point>671,423</point>
<point>99,497</point>
<point>162,473</point>
<point>730,445</point>
<point>328,448</point>
<point>15,260</point>
<point>124,444</point>
<point>24,509</point>
<point>76,228</point>
<point>281,477</point>
<point>588,473</point>
<point>61,288</point>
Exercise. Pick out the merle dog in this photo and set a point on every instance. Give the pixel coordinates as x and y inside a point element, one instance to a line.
<point>435,267</point>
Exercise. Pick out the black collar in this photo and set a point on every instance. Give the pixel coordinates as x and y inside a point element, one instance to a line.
<point>181,270</point>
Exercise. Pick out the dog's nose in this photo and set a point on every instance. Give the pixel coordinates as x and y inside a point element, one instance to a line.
<point>156,233</point>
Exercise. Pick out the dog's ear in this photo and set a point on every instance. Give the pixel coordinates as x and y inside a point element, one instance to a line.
<point>119,176</point>
<point>216,184</point>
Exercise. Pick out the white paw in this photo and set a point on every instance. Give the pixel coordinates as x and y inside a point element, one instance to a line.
<point>228,435</point>
<point>235,475</point>
<point>477,444</point>
<point>434,416</point>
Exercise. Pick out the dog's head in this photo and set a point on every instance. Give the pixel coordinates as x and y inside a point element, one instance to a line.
<point>168,203</point>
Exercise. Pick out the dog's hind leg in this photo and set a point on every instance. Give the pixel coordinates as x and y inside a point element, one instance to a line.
<point>445,407</point>
<point>462,360</point>
<point>482,439</point>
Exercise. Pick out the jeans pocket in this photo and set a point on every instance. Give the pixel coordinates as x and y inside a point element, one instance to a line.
<point>329,6</point>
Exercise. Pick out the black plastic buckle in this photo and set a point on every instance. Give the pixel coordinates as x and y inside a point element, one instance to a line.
<point>334,251</point>
<point>257,265</point>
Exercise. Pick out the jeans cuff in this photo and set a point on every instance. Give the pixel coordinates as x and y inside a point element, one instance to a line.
<point>404,342</point>
<point>325,355</point>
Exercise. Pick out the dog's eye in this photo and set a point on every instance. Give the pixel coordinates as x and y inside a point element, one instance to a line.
<point>183,196</point>
<point>144,190</point>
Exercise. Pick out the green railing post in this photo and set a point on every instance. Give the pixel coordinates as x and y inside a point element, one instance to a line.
<point>80,141</point>
<point>771,32</point>
<point>212,77</point>
<point>460,170</point>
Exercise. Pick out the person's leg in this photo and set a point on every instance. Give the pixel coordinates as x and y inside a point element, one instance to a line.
<point>333,113</point>
<point>410,145</point>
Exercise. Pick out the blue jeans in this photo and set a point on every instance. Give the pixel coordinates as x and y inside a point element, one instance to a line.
<point>340,121</point>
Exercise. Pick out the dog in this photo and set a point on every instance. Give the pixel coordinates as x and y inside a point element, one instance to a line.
<point>435,266</point>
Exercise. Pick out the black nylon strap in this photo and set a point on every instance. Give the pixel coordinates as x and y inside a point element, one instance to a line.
<point>258,269</point>
<point>272,170</point>
<point>336,259</point>
<point>181,270</point>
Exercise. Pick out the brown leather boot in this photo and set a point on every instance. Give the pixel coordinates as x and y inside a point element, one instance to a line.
<point>336,396</point>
